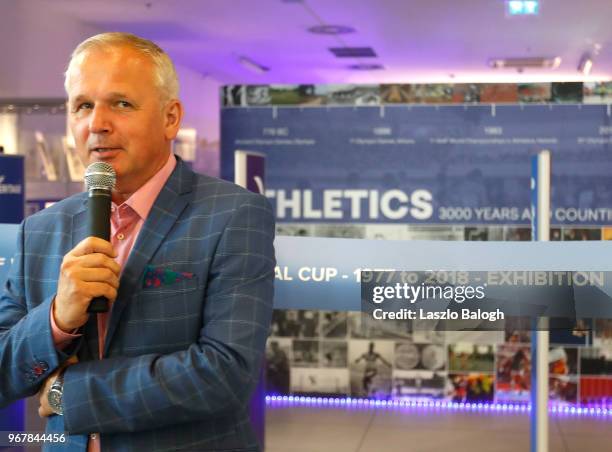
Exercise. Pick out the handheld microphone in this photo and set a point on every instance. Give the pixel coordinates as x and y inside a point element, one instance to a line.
<point>100,180</point>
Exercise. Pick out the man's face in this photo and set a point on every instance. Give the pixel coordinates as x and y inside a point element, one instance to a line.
<point>116,115</point>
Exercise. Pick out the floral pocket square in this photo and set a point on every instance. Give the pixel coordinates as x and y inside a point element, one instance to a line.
<point>160,276</point>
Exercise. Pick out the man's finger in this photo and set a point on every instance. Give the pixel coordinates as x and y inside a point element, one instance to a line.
<point>101,275</point>
<point>98,260</point>
<point>96,289</point>
<point>93,245</point>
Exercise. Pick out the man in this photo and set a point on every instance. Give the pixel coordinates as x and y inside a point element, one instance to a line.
<point>371,359</point>
<point>188,272</point>
<point>278,373</point>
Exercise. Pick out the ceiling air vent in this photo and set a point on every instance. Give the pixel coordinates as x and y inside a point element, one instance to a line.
<point>522,63</point>
<point>331,30</point>
<point>353,52</point>
<point>366,67</point>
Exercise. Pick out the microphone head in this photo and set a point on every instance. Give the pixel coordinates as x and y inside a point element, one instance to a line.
<point>100,176</point>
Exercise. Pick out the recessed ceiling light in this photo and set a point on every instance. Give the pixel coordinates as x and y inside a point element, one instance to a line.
<point>366,67</point>
<point>331,30</point>
<point>522,7</point>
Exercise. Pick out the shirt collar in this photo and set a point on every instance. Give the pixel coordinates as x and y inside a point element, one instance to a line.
<point>142,199</point>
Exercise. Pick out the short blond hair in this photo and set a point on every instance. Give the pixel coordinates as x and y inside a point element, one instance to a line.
<point>165,72</point>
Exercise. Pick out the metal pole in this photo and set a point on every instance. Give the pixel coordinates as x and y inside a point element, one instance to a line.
<point>540,222</point>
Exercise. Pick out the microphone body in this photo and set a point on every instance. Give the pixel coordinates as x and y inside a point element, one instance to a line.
<point>100,180</point>
<point>98,213</point>
<point>98,225</point>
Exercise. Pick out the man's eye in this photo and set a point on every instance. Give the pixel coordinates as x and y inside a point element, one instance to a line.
<point>124,104</point>
<point>83,106</point>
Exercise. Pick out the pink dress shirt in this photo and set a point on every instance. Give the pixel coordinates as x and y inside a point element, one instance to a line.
<point>126,222</point>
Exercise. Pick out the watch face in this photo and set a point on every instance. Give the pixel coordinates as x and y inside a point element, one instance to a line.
<point>55,399</point>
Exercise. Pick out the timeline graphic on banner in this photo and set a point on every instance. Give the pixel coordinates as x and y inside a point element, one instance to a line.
<point>426,163</point>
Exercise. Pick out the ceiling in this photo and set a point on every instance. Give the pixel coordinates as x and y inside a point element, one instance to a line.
<point>415,40</point>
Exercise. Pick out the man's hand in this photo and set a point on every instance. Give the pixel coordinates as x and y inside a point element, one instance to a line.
<point>87,271</point>
<point>44,410</point>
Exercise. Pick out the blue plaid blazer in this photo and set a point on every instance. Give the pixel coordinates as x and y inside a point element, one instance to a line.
<point>180,358</point>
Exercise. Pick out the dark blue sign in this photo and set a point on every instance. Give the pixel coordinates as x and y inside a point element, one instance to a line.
<point>12,190</point>
<point>454,164</point>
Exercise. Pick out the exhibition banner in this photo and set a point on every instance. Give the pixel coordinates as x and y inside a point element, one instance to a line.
<point>426,164</point>
<point>569,280</point>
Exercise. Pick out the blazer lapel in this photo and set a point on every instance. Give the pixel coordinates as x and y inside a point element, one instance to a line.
<point>168,206</point>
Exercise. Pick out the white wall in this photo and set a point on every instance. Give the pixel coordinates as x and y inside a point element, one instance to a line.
<point>200,96</point>
<point>35,44</point>
<point>9,36</point>
<point>8,132</point>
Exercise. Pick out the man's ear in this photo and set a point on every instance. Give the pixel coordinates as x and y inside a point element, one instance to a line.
<point>173,114</point>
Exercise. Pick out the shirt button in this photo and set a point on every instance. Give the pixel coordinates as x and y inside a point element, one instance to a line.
<point>120,236</point>
<point>93,436</point>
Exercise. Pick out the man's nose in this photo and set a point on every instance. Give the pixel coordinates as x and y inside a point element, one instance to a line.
<point>100,121</point>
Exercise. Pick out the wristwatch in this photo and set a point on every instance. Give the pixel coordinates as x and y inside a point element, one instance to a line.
<point>56,393</point>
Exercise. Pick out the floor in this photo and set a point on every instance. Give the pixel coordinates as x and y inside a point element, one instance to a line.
<point>308,429</point>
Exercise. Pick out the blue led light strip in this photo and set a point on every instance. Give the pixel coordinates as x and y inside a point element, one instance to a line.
<point>347,402</point>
